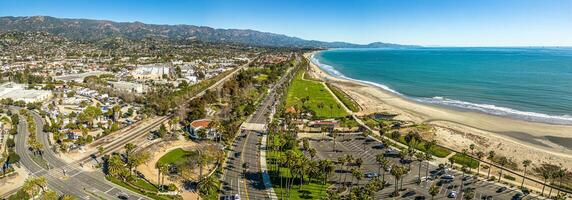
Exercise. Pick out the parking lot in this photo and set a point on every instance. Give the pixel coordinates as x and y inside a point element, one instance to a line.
<point>367,148</point>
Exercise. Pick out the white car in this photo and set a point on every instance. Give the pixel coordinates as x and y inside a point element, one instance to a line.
<point>452,194</point>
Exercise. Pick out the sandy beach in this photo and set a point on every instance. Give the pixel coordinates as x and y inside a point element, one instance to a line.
<point>457,129</point>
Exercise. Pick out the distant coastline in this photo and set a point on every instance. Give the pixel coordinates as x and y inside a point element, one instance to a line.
<point>452,103</point>
<point>542,140</point>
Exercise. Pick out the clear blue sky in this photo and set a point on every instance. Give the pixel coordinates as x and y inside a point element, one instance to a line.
<point>423,22</point>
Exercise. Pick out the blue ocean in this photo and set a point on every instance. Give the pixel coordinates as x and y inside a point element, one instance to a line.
<point>533,84</point>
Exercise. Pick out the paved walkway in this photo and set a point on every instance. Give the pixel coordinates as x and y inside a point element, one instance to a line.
<point>263,168</point>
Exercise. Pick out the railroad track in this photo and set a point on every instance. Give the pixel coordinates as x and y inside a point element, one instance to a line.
<point>116,145</point>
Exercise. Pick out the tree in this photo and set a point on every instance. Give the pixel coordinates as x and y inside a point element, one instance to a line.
<point>115,166</point>
<point>208,185</point>
<point>129,147</point>
<point>491,156</point>
<point>480,156</point>
<point>160,169</point>
<point>334,135</point>
<point>434,190</point>
<point>382,163</point>
<point>100,150</point>
<point>502,162</point>
<point>420,158</point>
<point>49,195</point>
<point>547,172</point>
<point>525,164</point>
<point>312,153</point>
<point>397,171</point>
<point>357,175</point>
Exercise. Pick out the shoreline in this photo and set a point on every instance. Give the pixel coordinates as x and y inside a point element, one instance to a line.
<point>546,140</point>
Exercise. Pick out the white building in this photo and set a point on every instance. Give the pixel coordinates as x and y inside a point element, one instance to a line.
<point>128,86</point>
<point>150,72</point>
<point>18,92</point>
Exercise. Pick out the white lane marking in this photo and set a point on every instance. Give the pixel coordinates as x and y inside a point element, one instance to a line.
<point>109,190</point>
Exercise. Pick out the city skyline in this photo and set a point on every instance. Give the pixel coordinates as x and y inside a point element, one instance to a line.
<point>444,23</point>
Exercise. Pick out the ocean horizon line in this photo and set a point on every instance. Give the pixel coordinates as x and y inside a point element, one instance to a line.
<point>452,103</point>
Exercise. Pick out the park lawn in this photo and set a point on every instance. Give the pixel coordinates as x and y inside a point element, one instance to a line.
<point>348,101</point>
<point>317,94</point>
<point>261,77</point>
<point>465,160</point>
<point>176,156</point>
<point>145,185</point>
<point>148,194</point>
<point>435,150</point>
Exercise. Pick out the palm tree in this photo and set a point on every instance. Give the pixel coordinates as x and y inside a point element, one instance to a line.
<point>502,162</point>
<point>525,164</point>
<point>359,162</point>
<point>472,148</point>
<point>159,166</point>
<point>312,153</point>
<point>349,159</point>
<point>334,135</point>
<point>129,147</point>
<point>207,185</point>
<point>490,157</point>
<point>342,163</point>
<point>380,159</point>
<point>428,157</point>
<point>434,190</point>
<point>357,174</point>
<point>480,156</point>
<point>397,172</point>
<point>561,174</point>
<point>463,169</point>
<point>327,169</point>
<point>420,158</point>
<point>366,134</point>
<point>546,174</point>
<point>202,161</point>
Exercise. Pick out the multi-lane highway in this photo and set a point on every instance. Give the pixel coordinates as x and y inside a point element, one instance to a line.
<point>242,174</point>
<point>62,177</point>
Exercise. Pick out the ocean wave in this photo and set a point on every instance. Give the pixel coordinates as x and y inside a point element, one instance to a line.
<point>332,71</point>
<point>452,103</point>
<point>499,111</point>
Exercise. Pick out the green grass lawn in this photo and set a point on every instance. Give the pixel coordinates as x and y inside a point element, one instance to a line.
<point>176,156</point>
<point>349,102</point>
<point>261,77</point>
<point>318,95</point>
<point>465,160</point>
<point>435,150</point>
<point>137,183</point>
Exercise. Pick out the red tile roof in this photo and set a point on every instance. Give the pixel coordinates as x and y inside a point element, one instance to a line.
<point>200,123</point>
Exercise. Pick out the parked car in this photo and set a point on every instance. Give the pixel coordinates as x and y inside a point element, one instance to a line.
<point>517,196</point>
<point>371,175</point>
<point>448,176</point>
<point>452,194</point>
<point>502,189</point>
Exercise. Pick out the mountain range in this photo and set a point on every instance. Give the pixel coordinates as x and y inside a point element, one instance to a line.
<point>93,30</point>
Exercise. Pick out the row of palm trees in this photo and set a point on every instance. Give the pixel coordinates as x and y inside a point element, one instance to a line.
<point>546,171</point>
